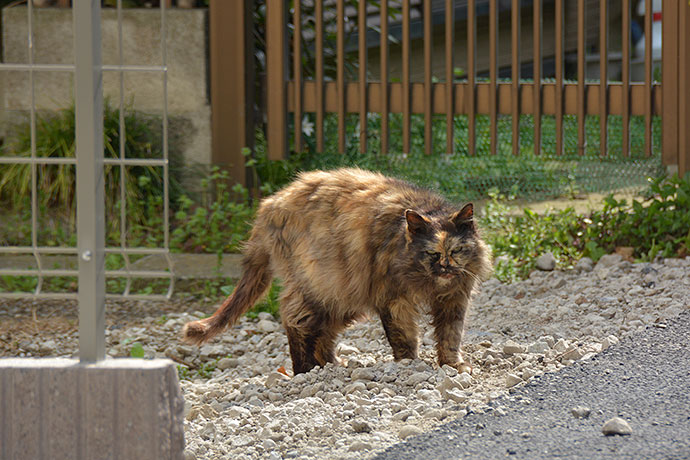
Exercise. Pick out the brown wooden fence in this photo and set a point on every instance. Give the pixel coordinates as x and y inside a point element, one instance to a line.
<point>372,90</point>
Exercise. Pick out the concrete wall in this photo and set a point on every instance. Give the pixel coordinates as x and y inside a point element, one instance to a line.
<point>188,96</point>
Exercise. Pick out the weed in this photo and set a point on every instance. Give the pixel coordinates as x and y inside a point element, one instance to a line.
<point>137,350</point>
<point>217,226</point>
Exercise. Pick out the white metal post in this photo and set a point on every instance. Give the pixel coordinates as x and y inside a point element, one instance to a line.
<point>88,92</point>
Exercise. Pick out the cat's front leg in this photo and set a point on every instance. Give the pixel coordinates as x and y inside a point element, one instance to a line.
<point>399,320</point>
<point>448,321</point>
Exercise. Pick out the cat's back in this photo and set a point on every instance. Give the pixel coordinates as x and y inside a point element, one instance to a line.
<point>349,191</point>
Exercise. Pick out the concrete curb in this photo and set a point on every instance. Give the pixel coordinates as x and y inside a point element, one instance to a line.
<point>116,409</point>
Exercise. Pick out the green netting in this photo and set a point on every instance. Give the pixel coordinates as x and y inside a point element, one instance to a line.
<point>528,175</point>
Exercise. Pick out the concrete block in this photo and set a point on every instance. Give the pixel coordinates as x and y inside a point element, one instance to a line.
<point>114,409</point>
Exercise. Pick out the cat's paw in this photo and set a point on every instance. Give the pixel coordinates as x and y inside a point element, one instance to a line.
<point>464,367</point>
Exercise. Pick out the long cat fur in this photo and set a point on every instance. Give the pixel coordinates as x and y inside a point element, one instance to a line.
<point>348,243</point>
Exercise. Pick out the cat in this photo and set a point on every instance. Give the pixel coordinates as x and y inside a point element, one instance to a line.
<point>349,243</point>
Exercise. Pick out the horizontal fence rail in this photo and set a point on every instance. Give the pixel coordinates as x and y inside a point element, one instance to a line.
<point>580,44</point>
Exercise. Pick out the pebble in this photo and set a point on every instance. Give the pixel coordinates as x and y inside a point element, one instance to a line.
<point>584,265</point>
<point>227,363</point>
<point>616,426</point>
<point>512,348</point>
<point>409,430</point>
<point>512,380</point>
<point>546,262</point>
<point>362,373</point>
<point>580,412</point>
<point>418,377</point>
<point>267,326</point>
<point>360,426</point>
<point>359,446</point>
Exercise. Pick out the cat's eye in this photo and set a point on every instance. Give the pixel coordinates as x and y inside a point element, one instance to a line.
<point>456,252</point>
<point>433,254</point>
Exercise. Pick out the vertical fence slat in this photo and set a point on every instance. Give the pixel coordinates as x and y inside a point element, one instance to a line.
<point>559,77</point>
<point>297,72</point>
<point>625,77</point>
<point>362,43</point>
<point>684,90</point>
<point>428,84</point>
<point>493,74</point>
<point>471,73</point>
<point>275,76</point>
<point>603,75</point>
<point>450,32</point>
<point>536,59</point>
<point>406,76</point>
<point>581,76</point>
<point>88,93</point>
<point>384,76</point>
<point>515,74</point>
<point>669,87</point>
<point>231,70</point>
<point>318,17</point>
<point>648,66</point>
<point>340,77</point>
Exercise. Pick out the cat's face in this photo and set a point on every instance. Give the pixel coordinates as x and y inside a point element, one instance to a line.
<point>445,246</point>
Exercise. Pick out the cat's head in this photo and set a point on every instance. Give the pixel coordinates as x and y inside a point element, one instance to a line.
<point>447,246</point>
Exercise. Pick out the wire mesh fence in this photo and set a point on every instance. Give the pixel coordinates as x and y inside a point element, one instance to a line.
<point>41,245</point>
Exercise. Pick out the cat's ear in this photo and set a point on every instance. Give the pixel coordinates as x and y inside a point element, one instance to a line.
<point>416,223</point>
<point>464,218</point>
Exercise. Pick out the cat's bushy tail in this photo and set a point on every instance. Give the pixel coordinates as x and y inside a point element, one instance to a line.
<point>256,279</point>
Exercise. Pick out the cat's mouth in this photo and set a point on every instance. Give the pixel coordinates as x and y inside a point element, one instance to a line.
<point>446,276</point>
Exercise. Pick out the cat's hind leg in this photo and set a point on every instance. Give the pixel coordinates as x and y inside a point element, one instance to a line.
<point>399,320</point>
<point>311,332</point>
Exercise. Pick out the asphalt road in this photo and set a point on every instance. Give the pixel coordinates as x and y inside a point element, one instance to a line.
<point>645,379</point>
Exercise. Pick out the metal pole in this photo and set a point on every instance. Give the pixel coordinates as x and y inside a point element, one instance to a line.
<point>88,91</point>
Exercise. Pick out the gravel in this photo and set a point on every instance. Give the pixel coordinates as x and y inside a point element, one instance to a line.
<point>240,403</point>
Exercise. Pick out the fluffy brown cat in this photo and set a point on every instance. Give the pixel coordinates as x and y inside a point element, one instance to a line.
<point>348,243</point>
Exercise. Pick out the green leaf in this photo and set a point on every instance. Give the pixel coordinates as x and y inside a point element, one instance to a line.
<point>137,350</point>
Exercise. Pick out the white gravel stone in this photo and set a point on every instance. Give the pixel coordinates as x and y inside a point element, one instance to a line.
<point>267,325</point>
<point>362,373</point>
<point>585,264</point>
<point>512,380</point>
<point>418,377</point>
<point>546,262</point>
<point>512,348</point>
<point>345,350</point>
<point>227,363</point>
<point>538,348</point>
<point>409,430</point>
<point>359,446</point>
<point>456,395</point>
<point>616,426</point>
<point>580,412</point>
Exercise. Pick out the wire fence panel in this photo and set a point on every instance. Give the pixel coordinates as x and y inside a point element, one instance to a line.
<point>34,262</point>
